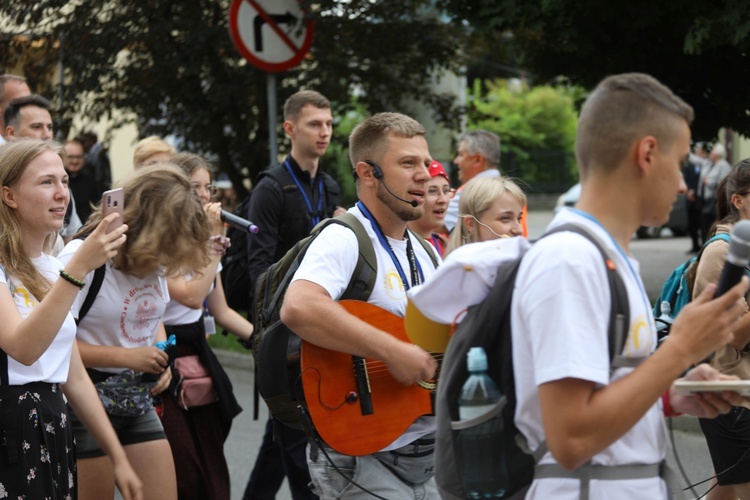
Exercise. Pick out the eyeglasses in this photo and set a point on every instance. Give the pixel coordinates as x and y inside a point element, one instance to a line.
<point>206,188</point>
<point>434,192</point>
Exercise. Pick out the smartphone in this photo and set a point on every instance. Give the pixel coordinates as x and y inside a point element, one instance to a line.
<point>113,201</point>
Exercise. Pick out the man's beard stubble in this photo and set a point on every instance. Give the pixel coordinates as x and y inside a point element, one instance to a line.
<point>403,210</point>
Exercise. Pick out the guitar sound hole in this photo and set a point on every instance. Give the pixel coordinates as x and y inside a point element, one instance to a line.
<point>352,397</point>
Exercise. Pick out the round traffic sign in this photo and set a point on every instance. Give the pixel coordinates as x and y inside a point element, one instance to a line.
<point>272,35</point>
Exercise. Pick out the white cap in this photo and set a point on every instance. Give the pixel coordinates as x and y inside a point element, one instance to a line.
<point>463,280</point>
<point>476,360</point>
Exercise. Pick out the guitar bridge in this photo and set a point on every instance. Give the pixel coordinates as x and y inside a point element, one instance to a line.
<point>362,378</point>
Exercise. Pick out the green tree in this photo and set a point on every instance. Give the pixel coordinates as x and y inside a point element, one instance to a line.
<point>173,68</point>
<point>536,126</point>
<point>697,49</point>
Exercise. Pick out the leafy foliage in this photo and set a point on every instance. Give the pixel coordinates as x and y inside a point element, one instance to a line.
<point>173,68</point>
<point>536,127</point>
<point>698,50</point>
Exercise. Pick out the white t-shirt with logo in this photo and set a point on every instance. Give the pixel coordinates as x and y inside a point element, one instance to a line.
<point>127,311</point>
<point>330,262</point>
<point>560,318</point>
<point>54,364</point>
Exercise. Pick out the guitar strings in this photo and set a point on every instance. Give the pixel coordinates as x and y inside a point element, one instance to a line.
<point>375,368</point>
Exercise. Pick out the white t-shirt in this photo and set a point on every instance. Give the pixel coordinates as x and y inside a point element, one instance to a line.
<point>330,262</point>
<point>180,314</point>
<point>54,364</point>
<point>127,311</point>
<point>560,319</point>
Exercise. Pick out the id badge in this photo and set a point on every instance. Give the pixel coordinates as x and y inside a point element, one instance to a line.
<point>209,324</point>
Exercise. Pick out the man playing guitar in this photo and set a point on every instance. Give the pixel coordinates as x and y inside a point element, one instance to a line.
<point>390,157</point>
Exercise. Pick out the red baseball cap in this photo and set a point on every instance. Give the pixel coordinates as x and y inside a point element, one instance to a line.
<point>436,169</point>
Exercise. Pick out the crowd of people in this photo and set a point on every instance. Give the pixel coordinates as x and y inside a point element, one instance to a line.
<point>104,339</point>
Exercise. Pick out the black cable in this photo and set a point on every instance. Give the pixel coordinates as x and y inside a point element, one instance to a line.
<point>670,426</point>
<point>317,442</point>
<point>309,428</point>
<point>716,476</point>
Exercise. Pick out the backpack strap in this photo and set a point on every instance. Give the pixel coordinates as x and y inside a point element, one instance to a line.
<point>363,278</point>
<point>720,236</point>
<point>4,380</point>
<point>619,316</point>
<point>96,285</point>
<point>279,174</point>
<point>617,334</point>
<point>427,248</point>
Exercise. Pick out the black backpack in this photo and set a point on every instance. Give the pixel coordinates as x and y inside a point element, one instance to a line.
<point>488,324</point>
<point>234,274</point>
<point>277,372</point>
<point>238,288</point>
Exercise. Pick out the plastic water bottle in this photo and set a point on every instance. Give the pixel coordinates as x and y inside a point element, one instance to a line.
<point>664,321</point>
<point>481,446</point>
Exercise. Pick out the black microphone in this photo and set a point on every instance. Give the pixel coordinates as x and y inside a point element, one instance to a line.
<point>737,259</point>
<point>378,174</point>
<point>239,222</point>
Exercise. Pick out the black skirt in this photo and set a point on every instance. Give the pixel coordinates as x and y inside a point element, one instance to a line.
<point>37,453</point>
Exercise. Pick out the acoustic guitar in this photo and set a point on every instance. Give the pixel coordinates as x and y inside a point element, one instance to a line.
<point>355,404</point>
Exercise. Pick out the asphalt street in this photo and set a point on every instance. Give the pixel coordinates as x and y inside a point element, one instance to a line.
<point>657,256</point>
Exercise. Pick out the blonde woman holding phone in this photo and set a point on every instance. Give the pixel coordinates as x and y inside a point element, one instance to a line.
<point>40,361</point>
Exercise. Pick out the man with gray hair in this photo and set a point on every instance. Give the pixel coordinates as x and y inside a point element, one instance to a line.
<point>712,173</point>
<point>478,156</point>
<point>11,86</point>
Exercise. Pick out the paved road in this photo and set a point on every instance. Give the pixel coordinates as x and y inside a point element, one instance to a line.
<point>658,257</point>
<point>244,439</point>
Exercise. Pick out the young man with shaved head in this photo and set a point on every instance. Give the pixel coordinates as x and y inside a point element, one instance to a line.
<point>601,422</point>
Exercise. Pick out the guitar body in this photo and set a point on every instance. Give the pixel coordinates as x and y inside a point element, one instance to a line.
<point>347,417</point>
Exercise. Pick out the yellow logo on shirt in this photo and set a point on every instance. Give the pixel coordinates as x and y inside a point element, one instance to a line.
<point>394,287</point>
<point>28,299</point>
<point>640,340</point>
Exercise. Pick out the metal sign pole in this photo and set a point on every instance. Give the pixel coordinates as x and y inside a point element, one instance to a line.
<point>273,147</point>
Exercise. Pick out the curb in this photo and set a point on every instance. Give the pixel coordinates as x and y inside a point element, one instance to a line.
<point>236,360</point>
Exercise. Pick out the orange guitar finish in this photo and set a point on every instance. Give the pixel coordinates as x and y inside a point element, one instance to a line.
<point>328,378</point>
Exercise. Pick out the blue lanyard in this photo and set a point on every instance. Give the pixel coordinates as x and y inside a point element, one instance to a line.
<point>436,244</point>
<point>644,295</point>
<point>314,214</point>
<point>417,276</point>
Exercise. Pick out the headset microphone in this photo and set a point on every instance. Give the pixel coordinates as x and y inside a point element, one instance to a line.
<point>378,174</point>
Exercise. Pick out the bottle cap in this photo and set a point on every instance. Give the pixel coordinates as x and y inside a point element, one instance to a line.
<point>666,309</point>
<point>476,360</point>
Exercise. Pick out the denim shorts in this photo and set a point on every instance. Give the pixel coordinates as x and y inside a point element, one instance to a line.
<point>382,473</point>
<point>130,430</point>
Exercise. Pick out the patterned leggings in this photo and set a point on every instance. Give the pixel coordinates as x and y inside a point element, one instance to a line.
<point>37,454</point>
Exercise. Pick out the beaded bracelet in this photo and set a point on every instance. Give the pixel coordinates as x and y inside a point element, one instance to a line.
<point>70,279</point>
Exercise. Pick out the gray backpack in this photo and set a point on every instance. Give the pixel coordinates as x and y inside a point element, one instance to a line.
<point>488,325</point>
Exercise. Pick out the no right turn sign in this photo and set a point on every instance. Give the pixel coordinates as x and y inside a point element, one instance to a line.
<point>272,35</point>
